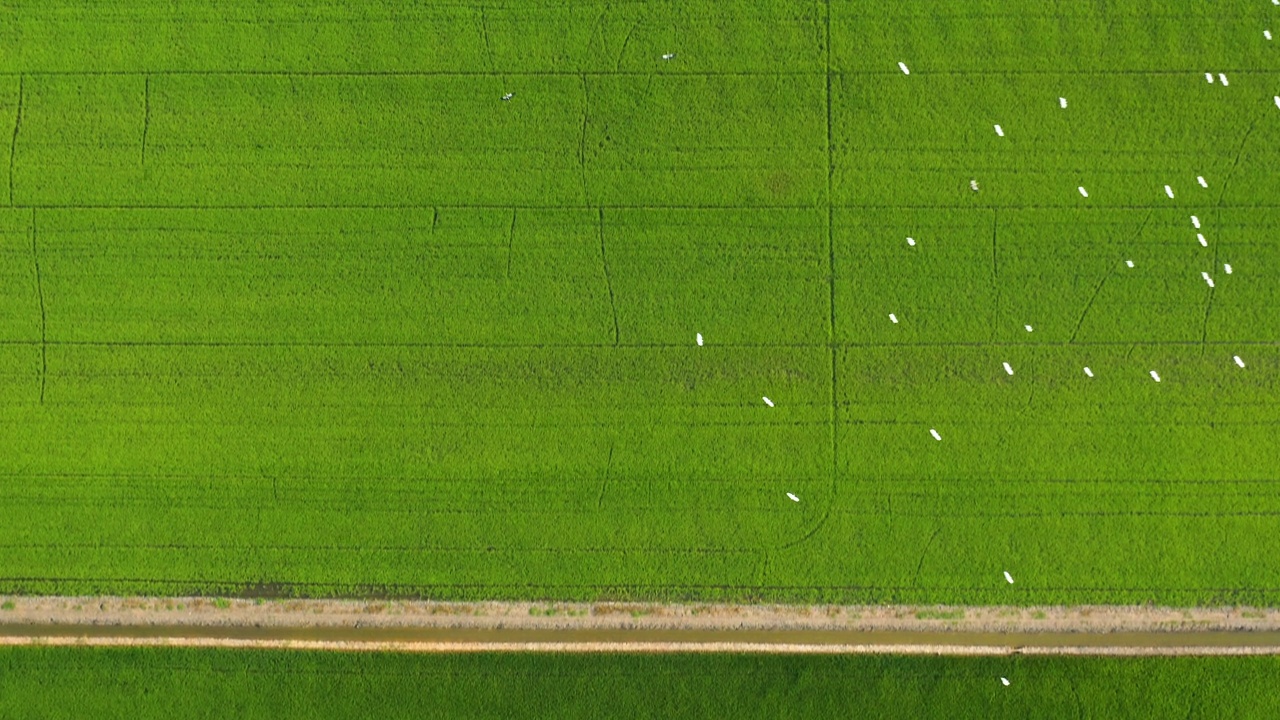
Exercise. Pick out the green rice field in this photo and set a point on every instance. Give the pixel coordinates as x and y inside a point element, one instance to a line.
<point>149,683</point>
<point>294,303</point>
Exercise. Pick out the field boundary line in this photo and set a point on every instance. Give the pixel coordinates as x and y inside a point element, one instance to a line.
<point>763,207</point>
<point>511,240</point>
<point>632,346</point>
<point>13,143</point>
<point>1089,305</point>
<point>995,275</point>
<point>608,277</point>
<point>604,482</point>
<point>1213,292</point>
<point>831,306</point>
<point>502,73</point>
<point>44,344</point>
<point>146,116</point>
<point>582,141</point>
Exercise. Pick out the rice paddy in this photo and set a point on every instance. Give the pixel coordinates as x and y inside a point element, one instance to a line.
<point>176,682</point>
<point>372,299</point>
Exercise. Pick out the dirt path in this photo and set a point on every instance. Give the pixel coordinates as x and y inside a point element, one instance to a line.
<point>612,627</point>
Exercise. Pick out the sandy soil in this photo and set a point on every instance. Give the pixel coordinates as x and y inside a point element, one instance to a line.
<point>205,612</point>
<point>348,625</point>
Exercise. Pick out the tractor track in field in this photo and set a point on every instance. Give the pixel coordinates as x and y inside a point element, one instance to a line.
<point>419,626</point>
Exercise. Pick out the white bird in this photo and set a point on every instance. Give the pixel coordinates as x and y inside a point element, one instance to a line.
<point>903,66</point>
<point>1223,78</point>
<point>1209,77</point>
<point>1168,191</point>
<point>1195,221</point>
<point>935,434</point>
<point>894,318</point>
<point>1028,327</point>
<point>793,497</point>
<point>1207,279</point>
<point>1239,361</point>
<point>1008,577</point>
<point>1129,263</point>
<point>1200,179</point>
<point>1083,191</point>
<point>1088,372</point>
<point>1266,34</point>
<point>1155,376</point>
<point>1227,268</point>
<point>1062,102</point>
<point>999,131</point>
<point>699,339</point>
<point>1004,680</point>
<point>973,185</point>
<point>668,56</point>
<point>1200,237</point>
<point>508,96</point>
<point>1278,101</point>
<point>767,401</point>
<point>911,241</point>
<point>1008,369</point>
